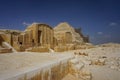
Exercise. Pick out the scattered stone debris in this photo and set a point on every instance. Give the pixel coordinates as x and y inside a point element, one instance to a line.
<point>98,62</point>
<point>114,63</point>
<point>78,66</point>
<point>85,74</point>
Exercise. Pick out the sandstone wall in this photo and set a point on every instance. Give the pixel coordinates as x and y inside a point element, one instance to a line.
<point>65,27</point>
<point>5,50</point>
<point>41,35</point>
<point>38,49</point>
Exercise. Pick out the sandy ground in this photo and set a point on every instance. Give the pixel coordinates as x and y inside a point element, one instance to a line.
<point>110,53</point>
<point>14,62</point>
<point>111,69</point>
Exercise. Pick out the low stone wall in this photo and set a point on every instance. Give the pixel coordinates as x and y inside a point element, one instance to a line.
<point>60,48</point>
<point>38,49</point>
<point>69,47</point>
<point>63,48</point>
<point>5,50</point>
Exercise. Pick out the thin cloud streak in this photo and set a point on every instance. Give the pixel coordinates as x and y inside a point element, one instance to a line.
<point>113,24</point>
<point>99,33</point>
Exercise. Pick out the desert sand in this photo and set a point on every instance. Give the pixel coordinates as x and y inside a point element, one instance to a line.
<point>99,63</point>
<point>15,65</point>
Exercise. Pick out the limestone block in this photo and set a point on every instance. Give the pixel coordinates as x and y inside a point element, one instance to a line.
<point>38,49</point>
<point>71,47</point>
<point>94,62</point>
<point>70,77</point>
<point>60,48</point>
<point>101,61</point>
<point>87,62</point>
<point>85,54</point>
<point>74,61</point>
<point>78,67</point>
<point>113,67</point>
<point>85,74</point>
<point>5,50</point>
<point>98,62</point>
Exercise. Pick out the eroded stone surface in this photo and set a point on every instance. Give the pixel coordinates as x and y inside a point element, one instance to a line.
<point>42,36</point>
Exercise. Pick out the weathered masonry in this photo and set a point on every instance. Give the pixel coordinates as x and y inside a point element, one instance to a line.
<point>37,35</point>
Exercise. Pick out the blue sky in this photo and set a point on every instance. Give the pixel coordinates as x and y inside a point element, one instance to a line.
<point>100,19</point>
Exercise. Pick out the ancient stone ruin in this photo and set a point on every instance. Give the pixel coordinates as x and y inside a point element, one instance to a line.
<point>68,55</point>
<point>42,38</point>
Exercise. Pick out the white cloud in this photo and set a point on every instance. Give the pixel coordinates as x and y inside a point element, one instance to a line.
<point>100,33</point>
<point>25,24</point>
<point>113,24</point>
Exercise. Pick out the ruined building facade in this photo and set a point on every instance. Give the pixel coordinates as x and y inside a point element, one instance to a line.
<point>37,35</point>
<point>42,37</point>
<point>63,38</point>
<point>71,35</point>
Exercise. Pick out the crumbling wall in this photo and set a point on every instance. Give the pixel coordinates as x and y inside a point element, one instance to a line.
<point>5,50</point>
<point>66,28</point>
<point>38,49</point>
<point>60,48</point>
<point>39,35</point>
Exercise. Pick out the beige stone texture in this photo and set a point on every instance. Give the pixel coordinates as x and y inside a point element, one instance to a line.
<point>5,50</point>
<point>60,48</point>
<point>62,38</point>
<point>66,28</point>
<point>40,35</point>
<point>38,49</point>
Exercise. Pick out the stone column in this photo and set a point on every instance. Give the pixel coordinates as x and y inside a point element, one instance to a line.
<point>51,37</point>
<point>44,34</point>
<point>48,35</point>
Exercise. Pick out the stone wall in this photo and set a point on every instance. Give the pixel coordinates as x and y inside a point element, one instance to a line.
<point>63,38</point>
<point>38,49</point>
<point>66,28</point>
<point>5,50</point>
<point>40,35</point>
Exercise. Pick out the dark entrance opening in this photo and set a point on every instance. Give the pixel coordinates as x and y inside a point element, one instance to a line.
<point>20,43</point>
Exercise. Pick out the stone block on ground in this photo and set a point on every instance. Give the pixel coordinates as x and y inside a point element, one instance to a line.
<point>74,61</point>
<point>85,74</point>
<point>98,62</point>
<point>38,49</point>
<point>5,50</point>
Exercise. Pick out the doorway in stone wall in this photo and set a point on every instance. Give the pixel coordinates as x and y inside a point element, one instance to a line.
<point>39,37</point>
